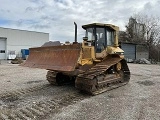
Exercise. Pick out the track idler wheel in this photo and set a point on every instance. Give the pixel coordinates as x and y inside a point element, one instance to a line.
<point>51,77</point>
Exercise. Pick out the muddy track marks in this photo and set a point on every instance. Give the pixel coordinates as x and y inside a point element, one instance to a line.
<point>15,95</point>
<point>42,109</point>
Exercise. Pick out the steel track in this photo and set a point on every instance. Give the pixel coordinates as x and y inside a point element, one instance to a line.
<point>96,81</point>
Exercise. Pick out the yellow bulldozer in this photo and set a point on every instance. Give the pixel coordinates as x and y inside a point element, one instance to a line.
<point>95,65</point>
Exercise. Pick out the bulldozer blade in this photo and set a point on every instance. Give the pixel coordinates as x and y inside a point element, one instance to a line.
<point>57,58</point>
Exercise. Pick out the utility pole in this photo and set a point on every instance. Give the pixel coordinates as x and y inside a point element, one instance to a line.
<point>158,56</point>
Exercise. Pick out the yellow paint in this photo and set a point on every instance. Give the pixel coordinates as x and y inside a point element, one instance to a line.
<point>118,66</point>
<point>87,54</point>
<point>114,50</point>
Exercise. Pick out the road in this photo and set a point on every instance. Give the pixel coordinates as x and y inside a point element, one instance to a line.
<point>25,94</point>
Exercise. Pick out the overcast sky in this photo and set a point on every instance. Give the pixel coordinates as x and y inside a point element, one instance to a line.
<point>56,17</point>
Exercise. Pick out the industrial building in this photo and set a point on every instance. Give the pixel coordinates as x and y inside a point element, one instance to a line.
<point>133,51</point>
<point>12,41</point>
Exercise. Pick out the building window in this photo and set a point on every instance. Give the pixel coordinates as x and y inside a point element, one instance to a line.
<point>2,51</point>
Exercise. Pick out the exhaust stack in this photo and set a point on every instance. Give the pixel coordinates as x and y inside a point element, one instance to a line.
<point>75,41</point>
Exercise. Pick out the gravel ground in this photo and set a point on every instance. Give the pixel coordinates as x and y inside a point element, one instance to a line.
<point>138,100</point>
<point>13,76</point>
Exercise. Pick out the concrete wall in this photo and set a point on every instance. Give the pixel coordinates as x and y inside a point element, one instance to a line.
<point>22,39</point>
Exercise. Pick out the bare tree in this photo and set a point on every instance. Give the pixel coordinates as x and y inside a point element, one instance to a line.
<point>144,29</point>
<point>151,29</point>
<point>135,30</point>
<point>123,36</point>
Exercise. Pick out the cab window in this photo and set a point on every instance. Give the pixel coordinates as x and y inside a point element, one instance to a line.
<point>110,37</point>
<point>90,34</point>
<point>101,40</point>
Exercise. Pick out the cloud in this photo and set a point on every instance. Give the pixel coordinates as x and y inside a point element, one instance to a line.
<point>57,16</point>
<point>151,8</point>
<point>39,26</point>
<point>34,9</point>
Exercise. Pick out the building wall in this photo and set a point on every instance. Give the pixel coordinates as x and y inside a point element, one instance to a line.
<point>22,39</point>
<point>142,51</point>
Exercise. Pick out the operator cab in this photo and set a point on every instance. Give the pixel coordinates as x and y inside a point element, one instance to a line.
<point>100,35</point>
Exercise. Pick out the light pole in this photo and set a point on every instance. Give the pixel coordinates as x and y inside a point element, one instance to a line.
<point>158,56</point>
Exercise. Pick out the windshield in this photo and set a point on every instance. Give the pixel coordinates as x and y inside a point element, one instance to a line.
<point>90,34</point>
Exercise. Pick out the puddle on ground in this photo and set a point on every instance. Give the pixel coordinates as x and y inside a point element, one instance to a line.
<point>30,82</point>
<point>146,83</point>
<point>111,96</point>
